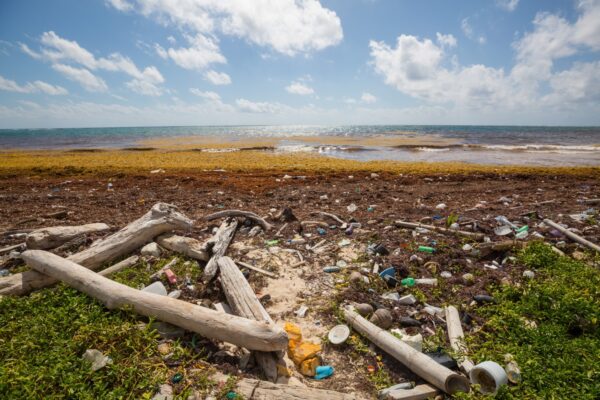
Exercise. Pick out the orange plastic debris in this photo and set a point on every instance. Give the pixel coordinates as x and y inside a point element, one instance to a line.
<point>303,354</point>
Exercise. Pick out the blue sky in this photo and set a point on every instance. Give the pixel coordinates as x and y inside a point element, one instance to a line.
<point>78,63</point>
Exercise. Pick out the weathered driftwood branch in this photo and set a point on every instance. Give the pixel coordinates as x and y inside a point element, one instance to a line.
<point>239,213</point>
<point>253,389</point>
<point>185,245</point>
<point>239,331</point>
<point>457,337</point>
<point>331,216</point>
<point>126,263</point>
<point>574,237</point>
<point>259,270</point>
<point>221,241</point>
<point>8,249</point>
<point>160,219</point>
<point>318,223</point>
<point>434,373</point>
<point>243,302</point>
<point>411,225</point>
<point>54,236</point>
<point>419,392</point>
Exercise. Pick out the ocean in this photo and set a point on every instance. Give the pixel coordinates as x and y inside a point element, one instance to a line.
<point>501,145</point>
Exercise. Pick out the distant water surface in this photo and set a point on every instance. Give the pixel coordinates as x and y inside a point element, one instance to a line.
<point>525,145</point>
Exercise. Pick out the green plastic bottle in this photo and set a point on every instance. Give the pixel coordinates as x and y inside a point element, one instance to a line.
<point>426,249</point>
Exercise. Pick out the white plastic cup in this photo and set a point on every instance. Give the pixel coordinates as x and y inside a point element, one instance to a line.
<point>489,376</point>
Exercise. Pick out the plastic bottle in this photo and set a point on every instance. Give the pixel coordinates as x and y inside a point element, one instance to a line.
<point>426,249</point>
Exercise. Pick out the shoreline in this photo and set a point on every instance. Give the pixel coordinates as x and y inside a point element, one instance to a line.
<point>144,160</point>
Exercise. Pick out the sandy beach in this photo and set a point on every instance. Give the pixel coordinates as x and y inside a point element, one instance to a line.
<point>118,186</point>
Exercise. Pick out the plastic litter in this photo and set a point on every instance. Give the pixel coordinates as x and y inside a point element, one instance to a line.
<point>528,274</point>
<point>323,371</point>
<point>178,377</point>
<point>303,354</point>
<point>408,282</point>
<point>339,334</point>
<point>331,269</point>
<point>407,321</point>
<point>414,341</point>
<point>426,249</point>
<point>443,359</point>
<point>503,230</point>
<point>301,312</point>
<point>171,277</point>
<point>489,376</point>
<point>156,288</point>
<point>96,358</point>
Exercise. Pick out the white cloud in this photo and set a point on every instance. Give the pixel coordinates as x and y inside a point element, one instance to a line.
<point>368,98</point>
<point>217,78</point>
<point>212,96</point>
<point>31,87</point>
<point>300,88</point>
<point>121,5</point>
<point>144,87</point>
<point>418,68</point>
<point>202,52</point>
<point>60,52</point>
<point>508,5</point>
<point>85,78</point>
<point>446,40</point>
<point>258,107</point>
<point>467,29</point>
<point>580,84</point>
<point>286,26</point>
<point>350,100</point>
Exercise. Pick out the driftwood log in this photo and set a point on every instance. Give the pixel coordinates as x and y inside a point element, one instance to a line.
<point>574,237</point>
<point>212,324</point>
<point>457,337</point>
<point>221,241</point>
<point>185,245</point>
<point>331,216</point>
<point>243,302</point>
<point>253,389</point>
<point>411,225</point>
<point>126,263</point>
<point>239,213</point>
<point>160,219</point>
<point>434,373</point>
<point>54,236</point>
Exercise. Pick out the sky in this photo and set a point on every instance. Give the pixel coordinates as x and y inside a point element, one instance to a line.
<point>73,63</point>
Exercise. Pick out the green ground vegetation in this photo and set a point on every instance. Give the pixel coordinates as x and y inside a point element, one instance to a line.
<point>550,325</point>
